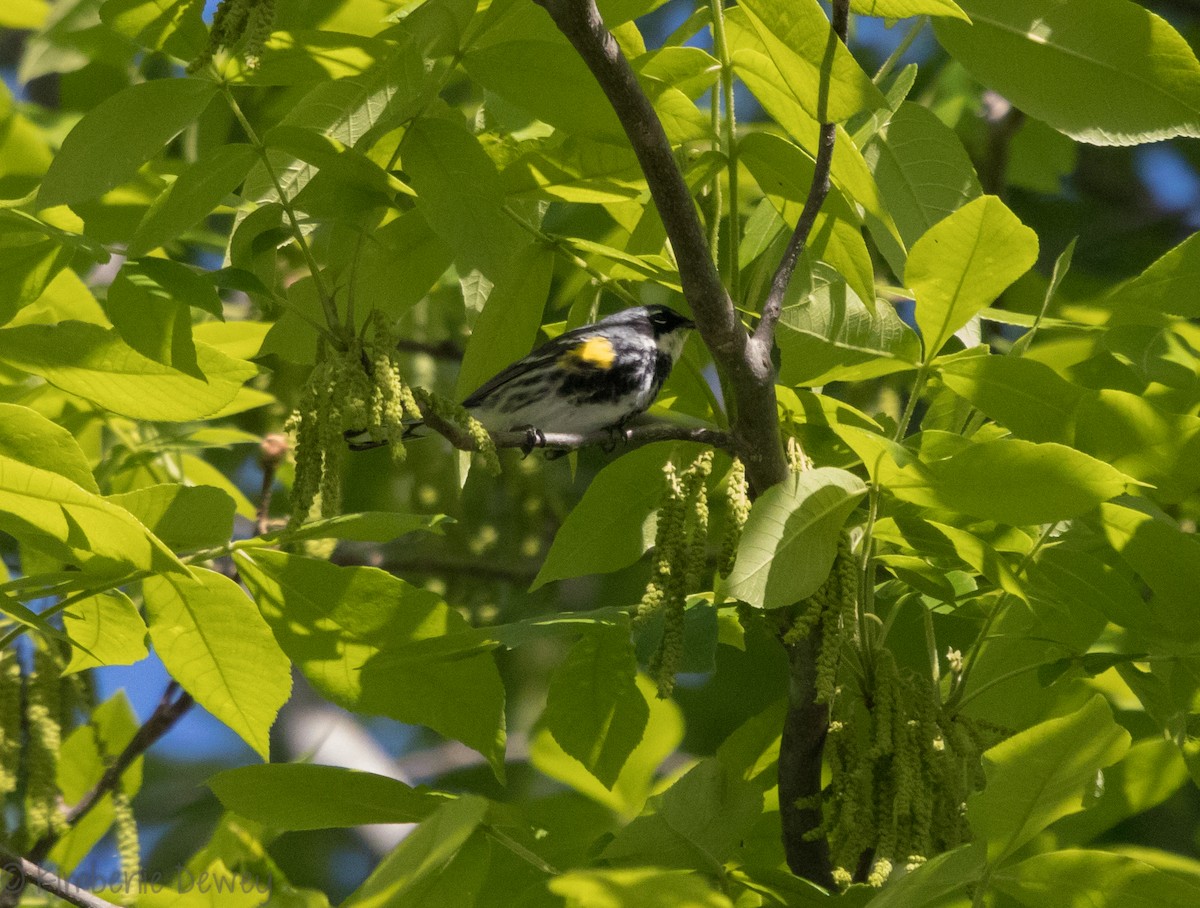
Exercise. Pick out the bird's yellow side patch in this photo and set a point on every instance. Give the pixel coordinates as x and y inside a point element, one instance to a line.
<point>596,352</point>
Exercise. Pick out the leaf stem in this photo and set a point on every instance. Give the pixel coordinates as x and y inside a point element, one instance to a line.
<point>955,701</point>
<point>911,406</point>
<point>559,246</point>
<point>327,303</point>
<point>901,49</point>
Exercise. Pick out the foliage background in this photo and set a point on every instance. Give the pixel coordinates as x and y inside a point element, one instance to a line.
<point>1126,205</point>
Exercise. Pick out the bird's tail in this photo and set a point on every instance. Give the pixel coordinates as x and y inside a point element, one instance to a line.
<point>366,439</point>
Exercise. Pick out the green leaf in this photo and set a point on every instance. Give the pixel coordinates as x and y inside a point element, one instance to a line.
<point>784,173</point>
<point>614,522</point>
<point>214,642</point>
<point>902,9</point>
<point>962,263</point>
<point>399,262</point>
<point>1151,773</point>
<point>1065,879</point>
<point>643,887</point>
<point>922,169</point>
<point>97,365</point>
<point>158,25</point>
<point>334,797</point>
<point>42,508</point>
<point>185,518</point>
<point>29,261</point>
<point>1069,578</point>
<point>1043,773</point>
<point>109,630</point>
<point>550,80</point>
<point>831,335</point>
<point>933,882</point>
<point>594,709</point>
<point>791,537</point>
<point>1168,560</point>
<point>1165,286</point>
<point>338,623</point>
<point>1039,483</point>
<point>696,823</point>
<point>828,83</point>
<point>423,853</point>
<point>193,196</point>
<point>29,437</point>
<point>577,170</point>
<point>1049,60</point>
<point>366,526</point>
<point>152,321</point>
<point>664,732</point>
<point>1025,396</point>
<point>119,135</point>
<point>508,326</point>
<point>459,194</point>
<point>24,14</point>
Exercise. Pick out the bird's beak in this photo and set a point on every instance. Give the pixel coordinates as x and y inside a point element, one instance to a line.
<point>688,324</point>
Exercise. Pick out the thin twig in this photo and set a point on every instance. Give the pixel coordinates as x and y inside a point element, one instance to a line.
<point>273,449</point>
<point>22,871</point>
<point>817,192</point>
<point>444,349</point>
<point>629,437</point>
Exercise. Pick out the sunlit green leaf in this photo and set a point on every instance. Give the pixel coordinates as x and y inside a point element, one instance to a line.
<point>119,135</point>
<point>193,196</point>
<point>1065,879</point>
<point>791,538</point>
<point>336,622</point>
<point>962,263</point>
<point>109,629</point>
<point>594,709</point>
<point>820,69</point>
<point>214,642</point>
<point>1049,61</point>
<point>336,797</point>
<point>97,365</point>
<point>1063,755</point>
<point>29,437</point>
<point>184,517</point>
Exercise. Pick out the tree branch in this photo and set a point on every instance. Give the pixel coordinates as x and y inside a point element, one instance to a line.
<point>817,192</point>
<point>170,710</point>
<point>745,360</point>
<point>164,717</point>
<point>22,871</point>
<point>806,725</point>
<point>632,436</point>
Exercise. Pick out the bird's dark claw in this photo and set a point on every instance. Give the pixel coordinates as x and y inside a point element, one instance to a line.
<point>616,434</point>
<point>534,438</point>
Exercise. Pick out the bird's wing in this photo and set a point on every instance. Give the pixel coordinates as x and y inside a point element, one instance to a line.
<point>582,349</point>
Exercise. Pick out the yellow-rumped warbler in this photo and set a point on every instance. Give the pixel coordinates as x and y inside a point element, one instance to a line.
<point>592,378</point>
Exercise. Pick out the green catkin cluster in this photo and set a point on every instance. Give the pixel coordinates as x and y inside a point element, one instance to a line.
<point>737,495</point>
<point>901,771</point>
<point>10,720</point>
<point>456,414</point>
<point>43,718</point>
<point>351,390</point>
<point>129,849</point>
<point>831,609</point>
<point>680,562</point>
<point>234,20</point>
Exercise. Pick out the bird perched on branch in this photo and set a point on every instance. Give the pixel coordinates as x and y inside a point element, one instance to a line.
<point>592,378</point>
